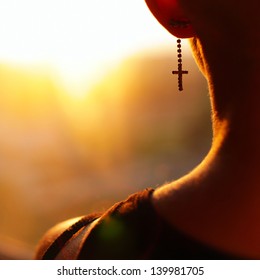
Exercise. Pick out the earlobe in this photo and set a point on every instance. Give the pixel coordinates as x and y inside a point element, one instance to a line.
<point>180,28</point>
<point>170,15</point>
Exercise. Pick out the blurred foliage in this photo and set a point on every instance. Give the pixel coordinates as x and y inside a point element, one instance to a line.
<point>63,156</point>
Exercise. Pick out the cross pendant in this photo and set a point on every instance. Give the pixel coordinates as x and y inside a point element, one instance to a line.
<point>180,72</point>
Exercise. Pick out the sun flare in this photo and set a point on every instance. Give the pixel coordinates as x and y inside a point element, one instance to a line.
<point>79,39</point>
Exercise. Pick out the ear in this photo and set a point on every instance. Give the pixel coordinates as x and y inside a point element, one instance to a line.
<point>171,16</point>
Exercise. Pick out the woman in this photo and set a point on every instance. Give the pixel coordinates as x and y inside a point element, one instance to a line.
<point>214,211</point>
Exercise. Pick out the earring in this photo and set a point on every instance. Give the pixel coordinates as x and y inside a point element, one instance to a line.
<point>180,72</point>
<point>171,16</point>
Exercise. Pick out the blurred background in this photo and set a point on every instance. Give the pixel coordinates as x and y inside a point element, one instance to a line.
<point>89,112</point>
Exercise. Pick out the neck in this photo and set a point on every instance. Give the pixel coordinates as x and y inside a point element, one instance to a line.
<point>224,188</point>
<point>232,74</point>
<point>235,96</point>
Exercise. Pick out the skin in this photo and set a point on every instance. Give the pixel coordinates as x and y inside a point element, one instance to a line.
<point>218,203</point>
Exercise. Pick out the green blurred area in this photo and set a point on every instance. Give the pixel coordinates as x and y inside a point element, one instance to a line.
<point>62,156</point>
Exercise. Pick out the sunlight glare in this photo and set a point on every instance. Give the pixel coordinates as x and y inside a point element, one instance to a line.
<point>79,39</point>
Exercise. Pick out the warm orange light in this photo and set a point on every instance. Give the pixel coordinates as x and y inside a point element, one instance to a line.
<point>79,39</point>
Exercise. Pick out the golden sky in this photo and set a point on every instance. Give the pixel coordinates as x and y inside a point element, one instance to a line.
<point>79,39</point>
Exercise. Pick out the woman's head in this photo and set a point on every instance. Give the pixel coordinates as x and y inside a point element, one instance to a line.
<point>225,39</point>
<point>228,27</point>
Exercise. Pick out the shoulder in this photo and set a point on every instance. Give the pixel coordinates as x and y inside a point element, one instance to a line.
<point>130,229</point>
<point>121,232</point>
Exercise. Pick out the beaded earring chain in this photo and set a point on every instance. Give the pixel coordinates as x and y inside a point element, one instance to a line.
<point>180,72</point>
